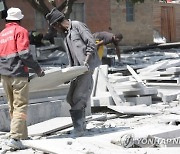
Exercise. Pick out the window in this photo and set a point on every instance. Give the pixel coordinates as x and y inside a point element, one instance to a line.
<point>129,11</point>
<point>40,21</point>
<point>77,12</point>
<point>1,5</point>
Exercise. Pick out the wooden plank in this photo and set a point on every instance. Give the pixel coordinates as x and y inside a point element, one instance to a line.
<point>115,96</point>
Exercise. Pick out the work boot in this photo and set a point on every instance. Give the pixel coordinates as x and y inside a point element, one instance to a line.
<point>79,123</point>
<point>84,119</point>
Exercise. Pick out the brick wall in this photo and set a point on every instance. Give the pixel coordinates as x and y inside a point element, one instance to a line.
<point>28,11</point>
<point>97,15</point>
<point>140,31</point>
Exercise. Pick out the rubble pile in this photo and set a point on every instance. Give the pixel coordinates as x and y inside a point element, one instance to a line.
<point>135,108</point>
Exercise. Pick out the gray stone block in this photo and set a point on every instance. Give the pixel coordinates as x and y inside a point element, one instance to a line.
<point>140,100</point>
<point>142,92</point>
<point>103,100</point>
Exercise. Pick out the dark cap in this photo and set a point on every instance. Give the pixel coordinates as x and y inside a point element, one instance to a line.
<point>54,16</point>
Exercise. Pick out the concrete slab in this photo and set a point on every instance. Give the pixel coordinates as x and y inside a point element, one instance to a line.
<point>56,124</point>
<point>154,79</point>
<point>135,75</point>
<point>118,78</point>
<point>168,95</point>
<point>143,136</point>
<point>154,67</point>
<point>142,92</point>
<point>173,70</point>
<point>155,150</point>
<point>101,84</point>
<point>147,100</point>
<point>55,77</point>
<point>134,110</point>
<point>95,79</point>
<point>170,118</point>
<point>173,63</point>
<point>49,126</point>
<point>96,143</point>
<point>104,100</point>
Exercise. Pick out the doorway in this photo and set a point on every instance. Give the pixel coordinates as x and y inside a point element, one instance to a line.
<point>168,28</point>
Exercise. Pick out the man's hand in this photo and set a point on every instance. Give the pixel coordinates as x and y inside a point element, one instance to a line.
<point>86,64</point>
<point>41,73</point>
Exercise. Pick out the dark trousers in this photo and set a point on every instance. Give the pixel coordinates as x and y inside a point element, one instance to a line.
<point>80,91</point>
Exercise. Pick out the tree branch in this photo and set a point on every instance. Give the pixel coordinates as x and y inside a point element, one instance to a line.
<point>43,7</point>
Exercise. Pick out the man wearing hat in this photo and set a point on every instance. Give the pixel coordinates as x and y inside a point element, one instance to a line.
<point>15,58</point>
<point>81,50</point>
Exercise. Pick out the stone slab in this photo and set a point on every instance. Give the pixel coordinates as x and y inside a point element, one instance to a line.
<point>173,63</point>
<point>170,118</point>
<point>115,79</point>
<point>55,77</point>
<point>49,126</point>
<point>56,124</point>
<point>134,110</point>
<point>104,100</point>
<point>97,143</point>
<point>135,75</point>
<point>118,100</point>
<point>154,67</point>
<point>173,70</point>
<point>160,78</point>
<point>147,100</point>
<point>101,84</point>
<point>143,91</point>
<point>168,95</point>
<point>143,136</point>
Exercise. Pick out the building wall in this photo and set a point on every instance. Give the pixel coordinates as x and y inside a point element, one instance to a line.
<point>28,11</point>
<point>135,33</point>
<point>157,18</point>
<point>97,15</point>
<point>101,15</point>
<point>177,15</point>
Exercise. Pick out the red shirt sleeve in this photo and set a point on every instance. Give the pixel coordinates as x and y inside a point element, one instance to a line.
<point>22,40</point>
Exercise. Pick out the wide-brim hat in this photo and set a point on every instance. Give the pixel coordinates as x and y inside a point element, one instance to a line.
<point>14,14</point>
<point>54,16</point>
